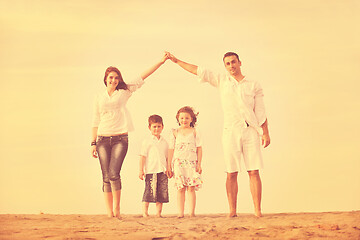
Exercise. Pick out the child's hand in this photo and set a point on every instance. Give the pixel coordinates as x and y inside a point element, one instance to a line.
<point>141,175</point>
<point>169,172</point>
<point>198,168</point>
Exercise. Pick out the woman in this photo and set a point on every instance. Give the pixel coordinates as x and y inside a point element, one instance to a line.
<point>111,125</point>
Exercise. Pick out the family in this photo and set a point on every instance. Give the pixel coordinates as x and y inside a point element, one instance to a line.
<point>245,130</point>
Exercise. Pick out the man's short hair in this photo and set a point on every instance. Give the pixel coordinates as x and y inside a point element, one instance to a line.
<point>155,119</point>
<point>228,54</point>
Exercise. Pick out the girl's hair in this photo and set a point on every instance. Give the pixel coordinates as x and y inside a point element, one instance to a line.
<point>122,84</point>
<point>190,111</point>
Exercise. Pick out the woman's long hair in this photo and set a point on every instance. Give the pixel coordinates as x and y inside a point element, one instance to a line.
<point>122,84</point>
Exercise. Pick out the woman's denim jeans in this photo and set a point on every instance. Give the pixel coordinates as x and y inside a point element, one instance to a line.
<point>111,151</point>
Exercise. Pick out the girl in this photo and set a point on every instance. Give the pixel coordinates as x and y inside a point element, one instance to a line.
<point>184,160</point>
<point>111,124</point>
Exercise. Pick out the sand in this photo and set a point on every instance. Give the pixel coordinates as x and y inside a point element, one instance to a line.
<point>330,225</point>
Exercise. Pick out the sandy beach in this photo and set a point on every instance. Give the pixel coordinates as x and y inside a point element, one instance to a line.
<point>329,225</point>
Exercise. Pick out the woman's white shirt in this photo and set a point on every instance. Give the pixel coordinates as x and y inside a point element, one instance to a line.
<point>111,115</point>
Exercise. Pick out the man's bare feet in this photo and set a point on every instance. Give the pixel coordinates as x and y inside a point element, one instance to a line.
<point>180,216</point>
<point>145,215</point>
<point>192,215</point>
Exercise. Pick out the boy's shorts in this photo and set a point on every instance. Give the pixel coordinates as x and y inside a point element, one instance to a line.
<point>242,144</point>
<point>156,188</point>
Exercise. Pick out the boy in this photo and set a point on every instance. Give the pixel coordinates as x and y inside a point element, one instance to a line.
<point>153,162</point>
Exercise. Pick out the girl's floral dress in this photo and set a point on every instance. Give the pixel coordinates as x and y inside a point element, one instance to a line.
<point>185,159</point>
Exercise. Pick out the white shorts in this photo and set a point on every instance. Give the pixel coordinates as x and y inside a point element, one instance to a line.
<point>242,143</point>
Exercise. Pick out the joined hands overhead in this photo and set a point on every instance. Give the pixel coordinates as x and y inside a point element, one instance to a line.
<point>171,57</point>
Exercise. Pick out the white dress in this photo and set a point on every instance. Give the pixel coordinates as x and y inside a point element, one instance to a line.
<point>185,159</point>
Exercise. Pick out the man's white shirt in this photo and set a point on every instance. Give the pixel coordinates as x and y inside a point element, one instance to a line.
<point>242,102</point>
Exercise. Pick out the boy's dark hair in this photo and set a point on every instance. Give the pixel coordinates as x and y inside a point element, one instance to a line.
<point>155,119</point>
<point>228,54</point>
<point>190,111</point>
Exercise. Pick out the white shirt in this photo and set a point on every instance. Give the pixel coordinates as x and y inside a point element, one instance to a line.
<point>110,115</point>
<point>155,150</point>
<point>241,101</point>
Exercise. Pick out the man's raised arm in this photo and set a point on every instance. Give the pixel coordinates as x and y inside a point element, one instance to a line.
<point>187,66</point>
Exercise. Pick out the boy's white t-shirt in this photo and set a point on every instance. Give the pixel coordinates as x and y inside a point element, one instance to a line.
<point>156,151</point>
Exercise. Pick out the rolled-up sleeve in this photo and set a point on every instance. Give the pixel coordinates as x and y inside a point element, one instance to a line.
<point>96,113</point>
<point>144,149</point>
<point>206,75</point>
<point>135,84</point>
<point>259,107</point>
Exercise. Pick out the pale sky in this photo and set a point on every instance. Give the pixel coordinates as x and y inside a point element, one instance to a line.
<point>305,54</point>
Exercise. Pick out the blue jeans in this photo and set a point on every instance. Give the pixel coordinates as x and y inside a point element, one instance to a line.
<point>112,152</point>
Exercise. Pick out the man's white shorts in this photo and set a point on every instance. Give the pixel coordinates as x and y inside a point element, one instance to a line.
<point>242,143</point>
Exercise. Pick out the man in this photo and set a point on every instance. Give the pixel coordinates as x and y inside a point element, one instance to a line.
<point>244,123</point>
